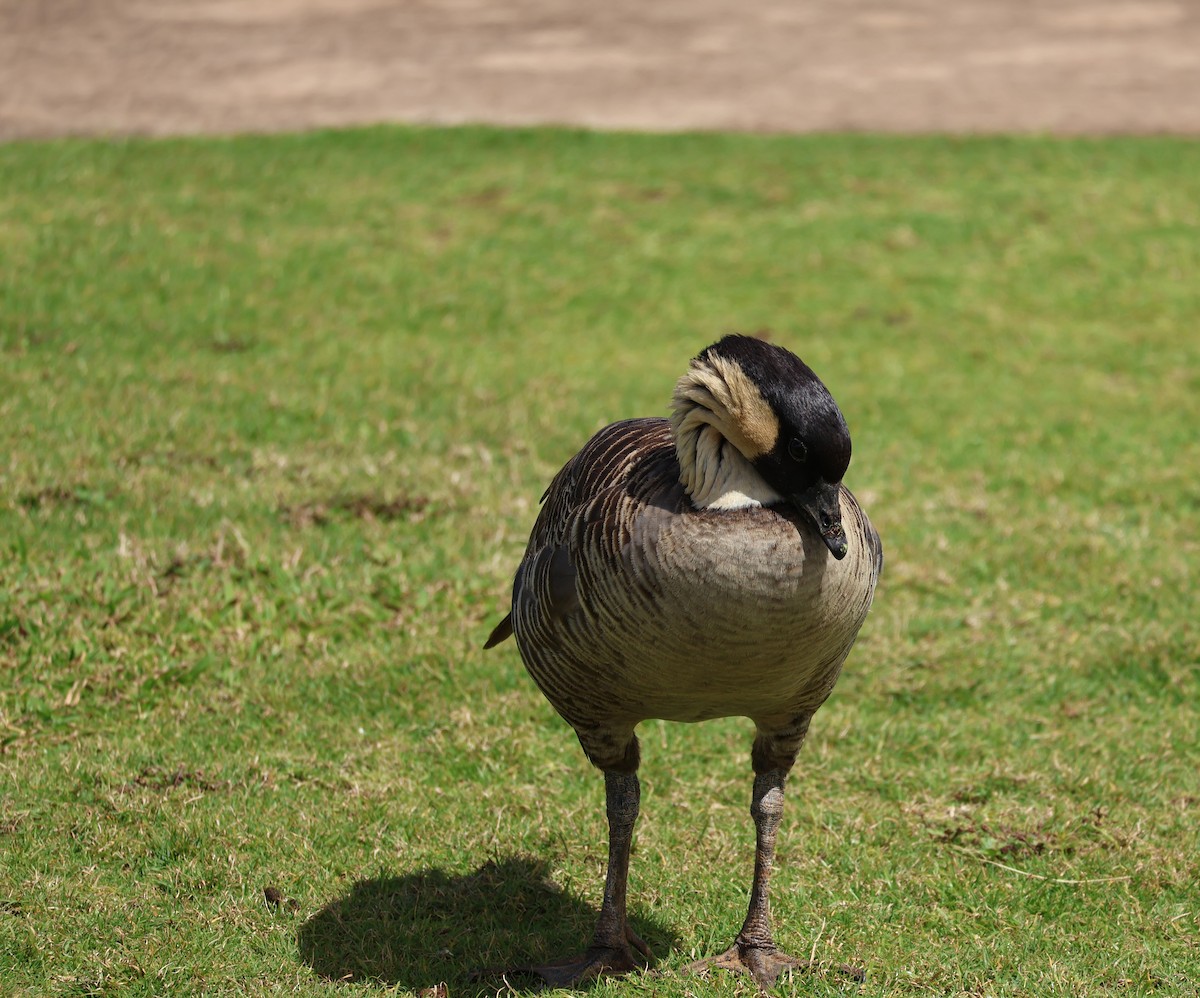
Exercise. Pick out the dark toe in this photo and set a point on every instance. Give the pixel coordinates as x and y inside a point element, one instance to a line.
<point>596,962</point>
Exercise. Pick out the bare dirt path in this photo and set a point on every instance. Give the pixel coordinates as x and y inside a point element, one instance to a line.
<point>186,66</point>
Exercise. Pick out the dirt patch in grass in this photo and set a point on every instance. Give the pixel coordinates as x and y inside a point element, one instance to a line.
<point>1012,834</point>
<point>157,778</point>
<point>57,497</point>
<point>361,506</point>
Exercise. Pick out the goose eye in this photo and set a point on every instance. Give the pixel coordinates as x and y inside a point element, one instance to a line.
<point>797,450</point>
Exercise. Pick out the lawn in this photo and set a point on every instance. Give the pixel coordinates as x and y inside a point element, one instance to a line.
<point>275,413</point>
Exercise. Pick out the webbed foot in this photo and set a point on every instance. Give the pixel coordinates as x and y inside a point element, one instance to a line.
<point>765,964</point>
<point>598,961</point>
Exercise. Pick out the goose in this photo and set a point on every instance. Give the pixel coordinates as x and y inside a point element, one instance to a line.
<point>710,565</point>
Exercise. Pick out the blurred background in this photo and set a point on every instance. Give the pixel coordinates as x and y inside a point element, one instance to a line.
<point>148,66</point>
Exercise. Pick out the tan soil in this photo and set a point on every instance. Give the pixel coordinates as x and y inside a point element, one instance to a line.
<point>183,66</point>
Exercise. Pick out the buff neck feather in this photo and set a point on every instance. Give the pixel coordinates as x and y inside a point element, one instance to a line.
<point>720,422</point>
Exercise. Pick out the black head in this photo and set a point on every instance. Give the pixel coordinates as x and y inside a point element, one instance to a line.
<point>804,449</point>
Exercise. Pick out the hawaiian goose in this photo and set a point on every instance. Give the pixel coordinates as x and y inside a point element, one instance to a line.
<point>709,566</point>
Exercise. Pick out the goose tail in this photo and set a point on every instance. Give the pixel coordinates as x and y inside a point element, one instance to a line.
<point>501,632</point>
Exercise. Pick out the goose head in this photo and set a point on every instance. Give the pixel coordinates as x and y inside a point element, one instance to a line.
<point>754,425</point>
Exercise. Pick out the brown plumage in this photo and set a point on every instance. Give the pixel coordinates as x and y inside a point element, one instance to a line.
<point>708,566</point>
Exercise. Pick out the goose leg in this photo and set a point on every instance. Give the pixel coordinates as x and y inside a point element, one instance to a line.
<point>610,952</point>
<point>754,951</point>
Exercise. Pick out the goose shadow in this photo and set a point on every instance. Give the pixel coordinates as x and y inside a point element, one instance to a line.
<point>469,931</point>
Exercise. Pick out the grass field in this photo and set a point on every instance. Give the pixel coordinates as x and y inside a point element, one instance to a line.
<point>274,417</point>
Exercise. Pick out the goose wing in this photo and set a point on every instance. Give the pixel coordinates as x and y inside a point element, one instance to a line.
<point>632,461</point>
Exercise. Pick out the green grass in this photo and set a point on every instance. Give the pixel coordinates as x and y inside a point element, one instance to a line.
<point>274,417</point>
